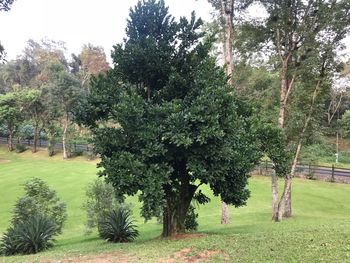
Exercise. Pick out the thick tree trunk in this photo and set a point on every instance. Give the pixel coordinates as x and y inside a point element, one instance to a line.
<point>177,204</point>
<point>64,137</point>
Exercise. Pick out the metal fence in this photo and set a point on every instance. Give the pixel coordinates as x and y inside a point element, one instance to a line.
<point>44,144</point>
<point>311,171</point>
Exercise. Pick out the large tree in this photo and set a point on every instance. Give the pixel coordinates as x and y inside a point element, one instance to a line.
<point>165,121</point>
<point>228,10</point>
<point>302,38</point>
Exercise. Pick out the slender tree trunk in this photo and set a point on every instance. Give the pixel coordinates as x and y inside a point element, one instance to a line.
<point>227,12</point>
<point>274,189</point>
<point>64,137</point>
<point>284,206</point>
<point>225,214</point>
<point>10,144</point>
<point>35,139</point>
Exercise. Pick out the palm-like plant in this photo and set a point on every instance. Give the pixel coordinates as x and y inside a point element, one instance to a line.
<point>117,226</point>
<point>28,237</point>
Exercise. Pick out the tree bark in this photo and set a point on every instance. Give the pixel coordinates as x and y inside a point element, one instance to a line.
<point>64,137</point>
<point>35,139</point>
<point>274,189</point>
<point>284,206</point>
<point>225,214</point>
<point>9,143</point>
<point>177,204</point>
<point>227,12</point>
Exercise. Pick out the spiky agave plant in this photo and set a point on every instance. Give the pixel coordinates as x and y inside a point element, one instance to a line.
<point>117,226</point>
<point>28,237</point>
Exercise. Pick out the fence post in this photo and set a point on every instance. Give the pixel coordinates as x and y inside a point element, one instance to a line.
<point>332,178</point>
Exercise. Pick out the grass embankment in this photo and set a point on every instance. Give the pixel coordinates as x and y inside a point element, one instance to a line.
<point>319,231</point>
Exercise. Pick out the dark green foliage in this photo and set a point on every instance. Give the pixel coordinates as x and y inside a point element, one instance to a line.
<point>191,223</point>
<point>19,148</point>
<point>39,199</point>
<point>101,198</point>
<point>163,138</point>
<point>274,144</point>
<point>117,226</point>
<point>31,236</point>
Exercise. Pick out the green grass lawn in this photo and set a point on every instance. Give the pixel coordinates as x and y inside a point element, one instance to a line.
<point>318,232</point>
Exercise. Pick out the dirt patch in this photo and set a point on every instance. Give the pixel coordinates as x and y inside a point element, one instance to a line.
<point>4,161</point>
<point>187,255</point>
<point>102,258</point>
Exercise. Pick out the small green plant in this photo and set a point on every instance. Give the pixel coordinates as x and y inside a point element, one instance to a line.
<point>20,148</point>
<point>117,226</point>
<point>100,198</point>
<point>39,199</point>
<point>191,223</point>
<point>31,236</point>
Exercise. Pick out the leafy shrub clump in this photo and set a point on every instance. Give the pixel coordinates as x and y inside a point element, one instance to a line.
<point>100,199</point>
<point>31,236</point>
<point>117,226</point>
<point>39,199</point>
<point>191,223</point>
<point>19,148</point>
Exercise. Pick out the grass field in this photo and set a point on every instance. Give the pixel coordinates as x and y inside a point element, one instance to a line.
<point>318,232</point>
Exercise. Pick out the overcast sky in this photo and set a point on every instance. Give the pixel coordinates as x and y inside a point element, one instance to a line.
<point>77,22</point>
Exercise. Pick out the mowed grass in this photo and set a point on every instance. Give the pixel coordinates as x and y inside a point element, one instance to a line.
<point>318,232</point>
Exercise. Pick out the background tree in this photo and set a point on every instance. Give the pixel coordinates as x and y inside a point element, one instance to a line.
<point>227,9</point>
<point>65,90</point>
<point>156,127</point>
<point>296,29</point>
<point>11,114</point>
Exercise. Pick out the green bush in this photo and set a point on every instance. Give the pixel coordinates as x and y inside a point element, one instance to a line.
<point>100,198</point>
<point>191,223</point>
<point>117,226</point>
<point>39,199</point>
<point>19,148</point>
<point>31,236</point>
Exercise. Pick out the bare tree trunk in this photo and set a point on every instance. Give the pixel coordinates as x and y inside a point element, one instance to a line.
<point>274,189</point>
<point>285,209</point>
<point>9,143</point>
<point>227,13</point>
<point>35,139</point>
<point>64,137</point>
<point>225,213</point>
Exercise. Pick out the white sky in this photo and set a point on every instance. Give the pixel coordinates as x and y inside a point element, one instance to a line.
<point>77,22</point>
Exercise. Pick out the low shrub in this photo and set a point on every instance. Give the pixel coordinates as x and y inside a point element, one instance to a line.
<point>117,226</point>
<point>31,236</point>
<point>39,199</point>
<point>19,148</point>
<point>191,223</point>
<point>100,198</point>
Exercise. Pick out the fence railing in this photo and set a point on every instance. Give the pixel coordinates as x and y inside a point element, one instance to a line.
<point>329,173</point>
<point>44,144</point>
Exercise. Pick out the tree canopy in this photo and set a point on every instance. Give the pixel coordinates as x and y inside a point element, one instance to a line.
<point>164,120</point>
